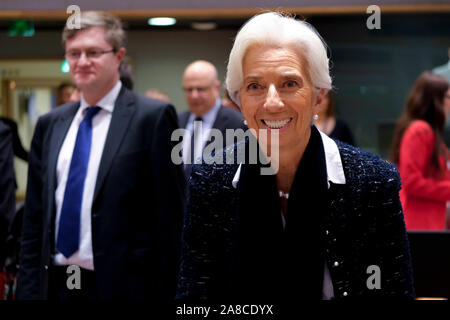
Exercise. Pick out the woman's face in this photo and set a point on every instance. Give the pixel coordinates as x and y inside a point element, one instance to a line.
<point>277,94</point>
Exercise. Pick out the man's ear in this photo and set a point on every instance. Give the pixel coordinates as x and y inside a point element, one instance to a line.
<point>216,86</point>
<point>121,54</point>
<point>317,105</point>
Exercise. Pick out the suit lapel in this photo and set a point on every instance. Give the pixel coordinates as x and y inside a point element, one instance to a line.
<point>184,119</point>
<point>59,132</point>
<point>340,199</point>
<point>221,120</point>
<point>124,108</point>
<point>220,123</point>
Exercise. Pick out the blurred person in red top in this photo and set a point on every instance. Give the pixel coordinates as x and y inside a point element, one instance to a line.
<point>421,154</point>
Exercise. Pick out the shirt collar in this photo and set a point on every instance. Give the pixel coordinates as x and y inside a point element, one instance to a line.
<point>335,170</point>
<point>107,102</point>
<point>210,116</point>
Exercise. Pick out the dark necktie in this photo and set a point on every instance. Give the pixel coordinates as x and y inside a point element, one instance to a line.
<point>69,223</point>
<point>191,149</point>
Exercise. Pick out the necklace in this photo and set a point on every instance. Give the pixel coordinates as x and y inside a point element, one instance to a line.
<point>283,194</point>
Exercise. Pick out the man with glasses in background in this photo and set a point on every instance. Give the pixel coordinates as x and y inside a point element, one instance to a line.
<point>201,88</point>
<point>103,193</point>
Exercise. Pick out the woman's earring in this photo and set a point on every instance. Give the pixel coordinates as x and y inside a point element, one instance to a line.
<point>245,122</point>
<point>315,117</point>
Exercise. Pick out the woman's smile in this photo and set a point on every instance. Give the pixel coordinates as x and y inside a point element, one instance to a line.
<point>280,124</point>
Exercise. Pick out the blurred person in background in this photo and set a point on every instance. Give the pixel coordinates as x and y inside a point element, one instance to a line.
<point>227,102</point>
<point>327,123</point>
<point>157,94</point>
<point>76,95</point>
<point>7,195</point>
<point>421,155</point>
<point>201,88</point>
<point>64,92</point>
<point>19,150</point>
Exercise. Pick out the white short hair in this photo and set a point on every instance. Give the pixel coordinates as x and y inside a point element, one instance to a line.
<point>273,28</point>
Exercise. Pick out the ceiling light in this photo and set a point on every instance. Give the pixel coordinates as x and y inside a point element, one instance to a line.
<point>162,21</point>
<point>204,26</point>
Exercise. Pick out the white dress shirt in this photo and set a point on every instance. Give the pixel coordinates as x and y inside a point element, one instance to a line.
<point>83,257</point>
<point>335,174</point>
<point>208,120</point>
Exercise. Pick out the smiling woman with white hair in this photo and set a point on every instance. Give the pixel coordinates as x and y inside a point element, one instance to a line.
<point>327,219</point>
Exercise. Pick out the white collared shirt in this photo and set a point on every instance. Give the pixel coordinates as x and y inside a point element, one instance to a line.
<point>335,174</point>
<point>100,125</point>
<point>207,123</point>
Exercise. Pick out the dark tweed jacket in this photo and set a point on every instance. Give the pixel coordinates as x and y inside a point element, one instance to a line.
<point>364,227</point>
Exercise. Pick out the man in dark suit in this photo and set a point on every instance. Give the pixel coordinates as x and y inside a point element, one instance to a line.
<point>7,187</point>
<point>103,193</point>
<point>19,150</point>
<point>201,87</point>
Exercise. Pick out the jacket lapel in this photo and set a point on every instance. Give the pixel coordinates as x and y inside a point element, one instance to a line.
<point>221,120</point>
<point>220,123</point>
<point>124,109</point>
<point>183,119</point>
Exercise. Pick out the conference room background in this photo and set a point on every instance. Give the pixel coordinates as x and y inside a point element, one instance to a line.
<point>373,70</point>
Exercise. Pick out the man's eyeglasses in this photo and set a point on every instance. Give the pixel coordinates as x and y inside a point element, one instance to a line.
<point>74,55</point>
<point>200,90</point>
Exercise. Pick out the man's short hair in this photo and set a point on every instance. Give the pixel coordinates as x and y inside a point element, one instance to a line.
<point>114,33</point>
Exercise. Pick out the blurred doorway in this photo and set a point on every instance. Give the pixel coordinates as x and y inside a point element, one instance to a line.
<point>28,90</point>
